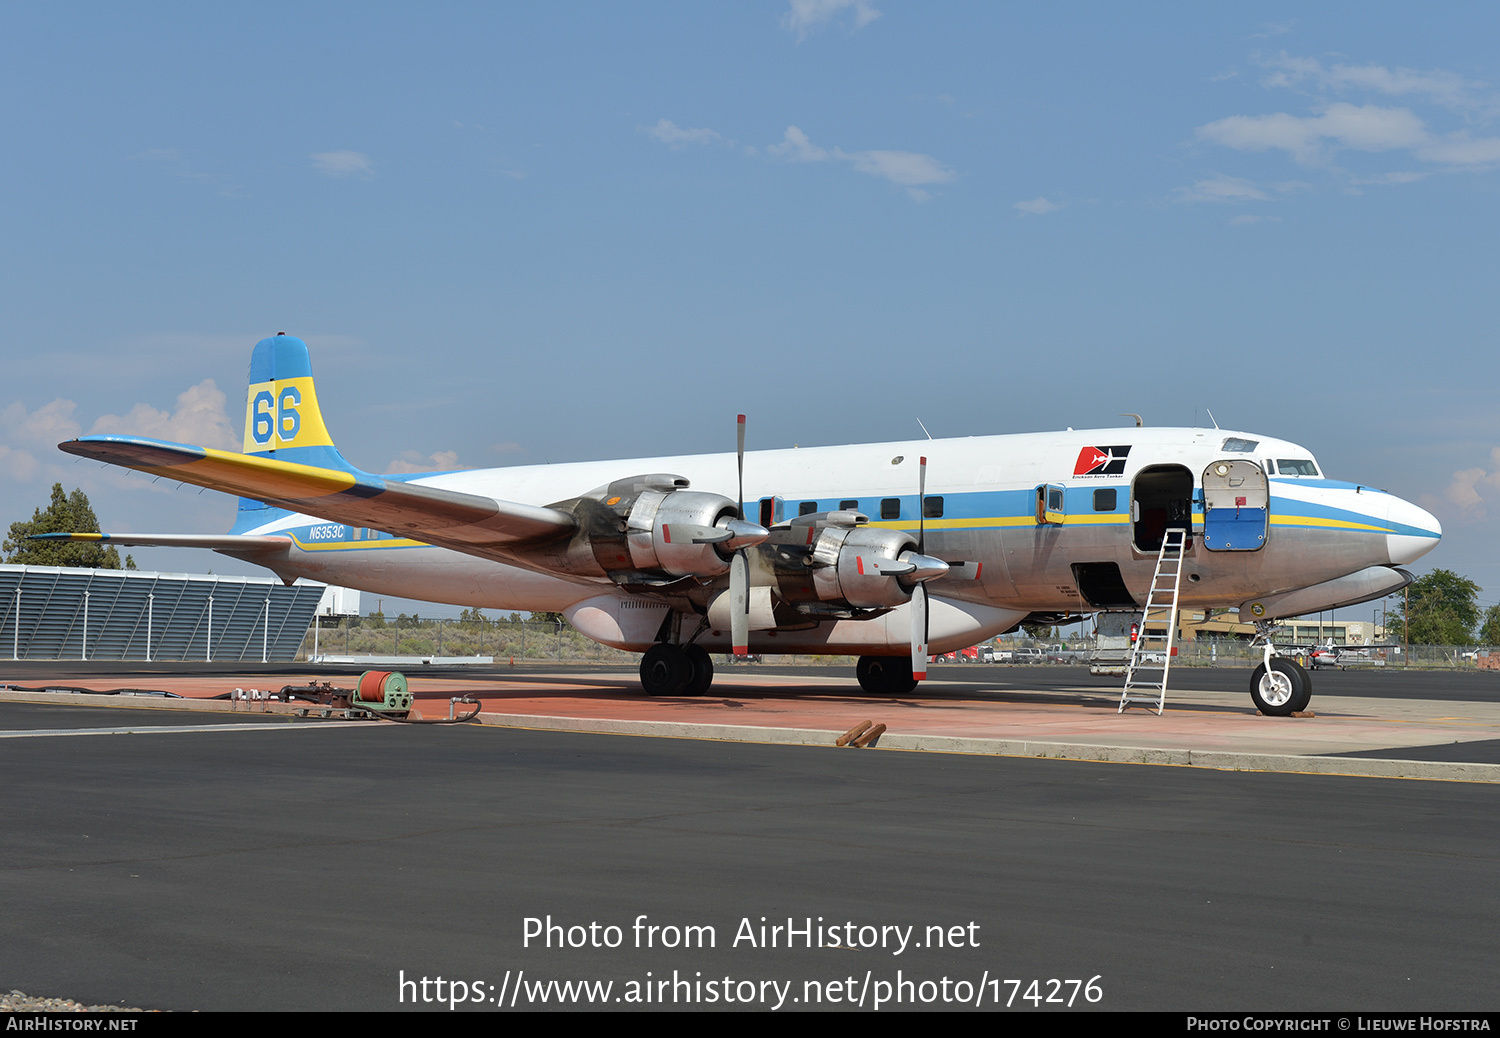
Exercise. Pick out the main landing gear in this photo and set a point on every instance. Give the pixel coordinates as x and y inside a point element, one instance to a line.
<point>885,675</point>
<point>676,670</point>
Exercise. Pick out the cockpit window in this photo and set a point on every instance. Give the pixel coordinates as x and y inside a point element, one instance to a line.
<point>1296,467</point>
<point>1239,445</point>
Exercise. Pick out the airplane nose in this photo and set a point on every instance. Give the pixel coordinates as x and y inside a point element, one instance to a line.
<point>1415,532</point>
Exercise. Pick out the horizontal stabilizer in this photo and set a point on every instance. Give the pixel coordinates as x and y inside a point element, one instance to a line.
<point>242,543</point>
<point>465,522</point>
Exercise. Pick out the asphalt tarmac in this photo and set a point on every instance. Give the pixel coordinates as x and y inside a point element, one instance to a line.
<point>307,864</point>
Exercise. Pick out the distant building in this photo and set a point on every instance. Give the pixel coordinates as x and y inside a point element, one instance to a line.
<point>57,613</point>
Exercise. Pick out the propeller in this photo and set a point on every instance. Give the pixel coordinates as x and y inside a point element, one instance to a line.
<point>913,569</point>
<point>739,566</point>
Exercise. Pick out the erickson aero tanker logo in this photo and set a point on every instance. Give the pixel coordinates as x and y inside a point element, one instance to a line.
<point>1101,461</point>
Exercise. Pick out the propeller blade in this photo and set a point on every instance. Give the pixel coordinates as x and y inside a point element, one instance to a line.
<point>919,632</point>
<point>879,565</point>
<point>689,533</point>
<point>922,506</point>
<point>739,604</point>
<point>740,453</point>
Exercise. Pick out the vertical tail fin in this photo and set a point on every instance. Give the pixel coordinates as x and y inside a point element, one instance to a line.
<point>282,419</point>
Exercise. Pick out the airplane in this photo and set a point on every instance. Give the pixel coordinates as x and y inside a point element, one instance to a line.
<point>833,552</point>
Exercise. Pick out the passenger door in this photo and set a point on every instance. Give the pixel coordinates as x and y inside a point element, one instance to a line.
<point>1236,506</point>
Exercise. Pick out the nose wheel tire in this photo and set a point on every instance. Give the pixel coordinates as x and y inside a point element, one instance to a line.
<point>1283,690</point>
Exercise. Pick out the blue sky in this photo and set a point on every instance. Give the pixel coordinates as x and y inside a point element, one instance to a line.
<point>528,233</point>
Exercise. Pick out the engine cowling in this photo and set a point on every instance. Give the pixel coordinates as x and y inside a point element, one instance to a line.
<point>652,530</point>
<point>677,533</point>
<point>862,567</point>
<point>836,565</point>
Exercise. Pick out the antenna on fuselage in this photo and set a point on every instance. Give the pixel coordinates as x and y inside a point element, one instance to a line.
<point>924,428</point>
<point>1138,421</point>
<point>1211,418</point>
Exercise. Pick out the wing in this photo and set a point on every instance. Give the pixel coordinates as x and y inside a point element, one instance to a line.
<point>465,522</point>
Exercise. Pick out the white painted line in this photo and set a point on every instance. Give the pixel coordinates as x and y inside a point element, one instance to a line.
<point>172,729</point>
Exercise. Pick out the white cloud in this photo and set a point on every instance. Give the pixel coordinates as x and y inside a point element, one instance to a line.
<point>909,169</point>
<point>1312,140</point>
<point>17,464</point>
<point>29,439</point>
<point>1337,125</point>
<point>1273,29</point>
<point>1037,207</point>
<point>32,436</point>
<point>48,425</point>
<point>1459,149</point>
<point>343,164</point>
<point>1465,491</point>
<point>1399,177</point>
<point>806,16</point>
<point>411,461</point>
<point>1309,139</point>
<point>201,419</point>
<point>1222,189</point>
<point>674,136</point>
<point>1444,88</point>
<point>795,147</point>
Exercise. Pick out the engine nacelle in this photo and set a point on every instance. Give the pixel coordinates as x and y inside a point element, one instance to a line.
<point>834,565</point>
<point>654,546</point>
<point>853,566</point>
<point>650,531</point>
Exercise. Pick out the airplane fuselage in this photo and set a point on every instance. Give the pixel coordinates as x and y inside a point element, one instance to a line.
<point>1047,522</point>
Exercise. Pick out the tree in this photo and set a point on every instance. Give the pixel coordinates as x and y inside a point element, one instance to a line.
<point>1036,632</point>
<point>1442,609</point>
<point>67,513</point>
<point>1489,634</point>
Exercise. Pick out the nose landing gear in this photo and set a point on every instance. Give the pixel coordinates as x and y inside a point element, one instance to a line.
<point>1279,687</point>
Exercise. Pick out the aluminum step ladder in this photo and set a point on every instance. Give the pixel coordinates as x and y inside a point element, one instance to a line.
<point>1146,682</point>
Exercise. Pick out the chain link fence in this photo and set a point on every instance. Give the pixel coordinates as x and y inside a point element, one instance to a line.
<point>503,640</point>
<point>1236,652</point>
<point>549,640</point>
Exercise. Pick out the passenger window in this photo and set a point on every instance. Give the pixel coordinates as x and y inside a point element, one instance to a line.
<point>849,506</point>
<point>807,508</point>
<point>932,508</point>
<point>890,508</point>
<point>1104,500</point>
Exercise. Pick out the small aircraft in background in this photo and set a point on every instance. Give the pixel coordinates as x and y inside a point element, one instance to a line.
<point>836,550</point>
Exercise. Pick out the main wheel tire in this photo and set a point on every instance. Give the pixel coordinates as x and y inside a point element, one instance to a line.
<point>703,670</point>
<point>665,670</point>
<point>1283,690</point>
<point>885,675</point>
